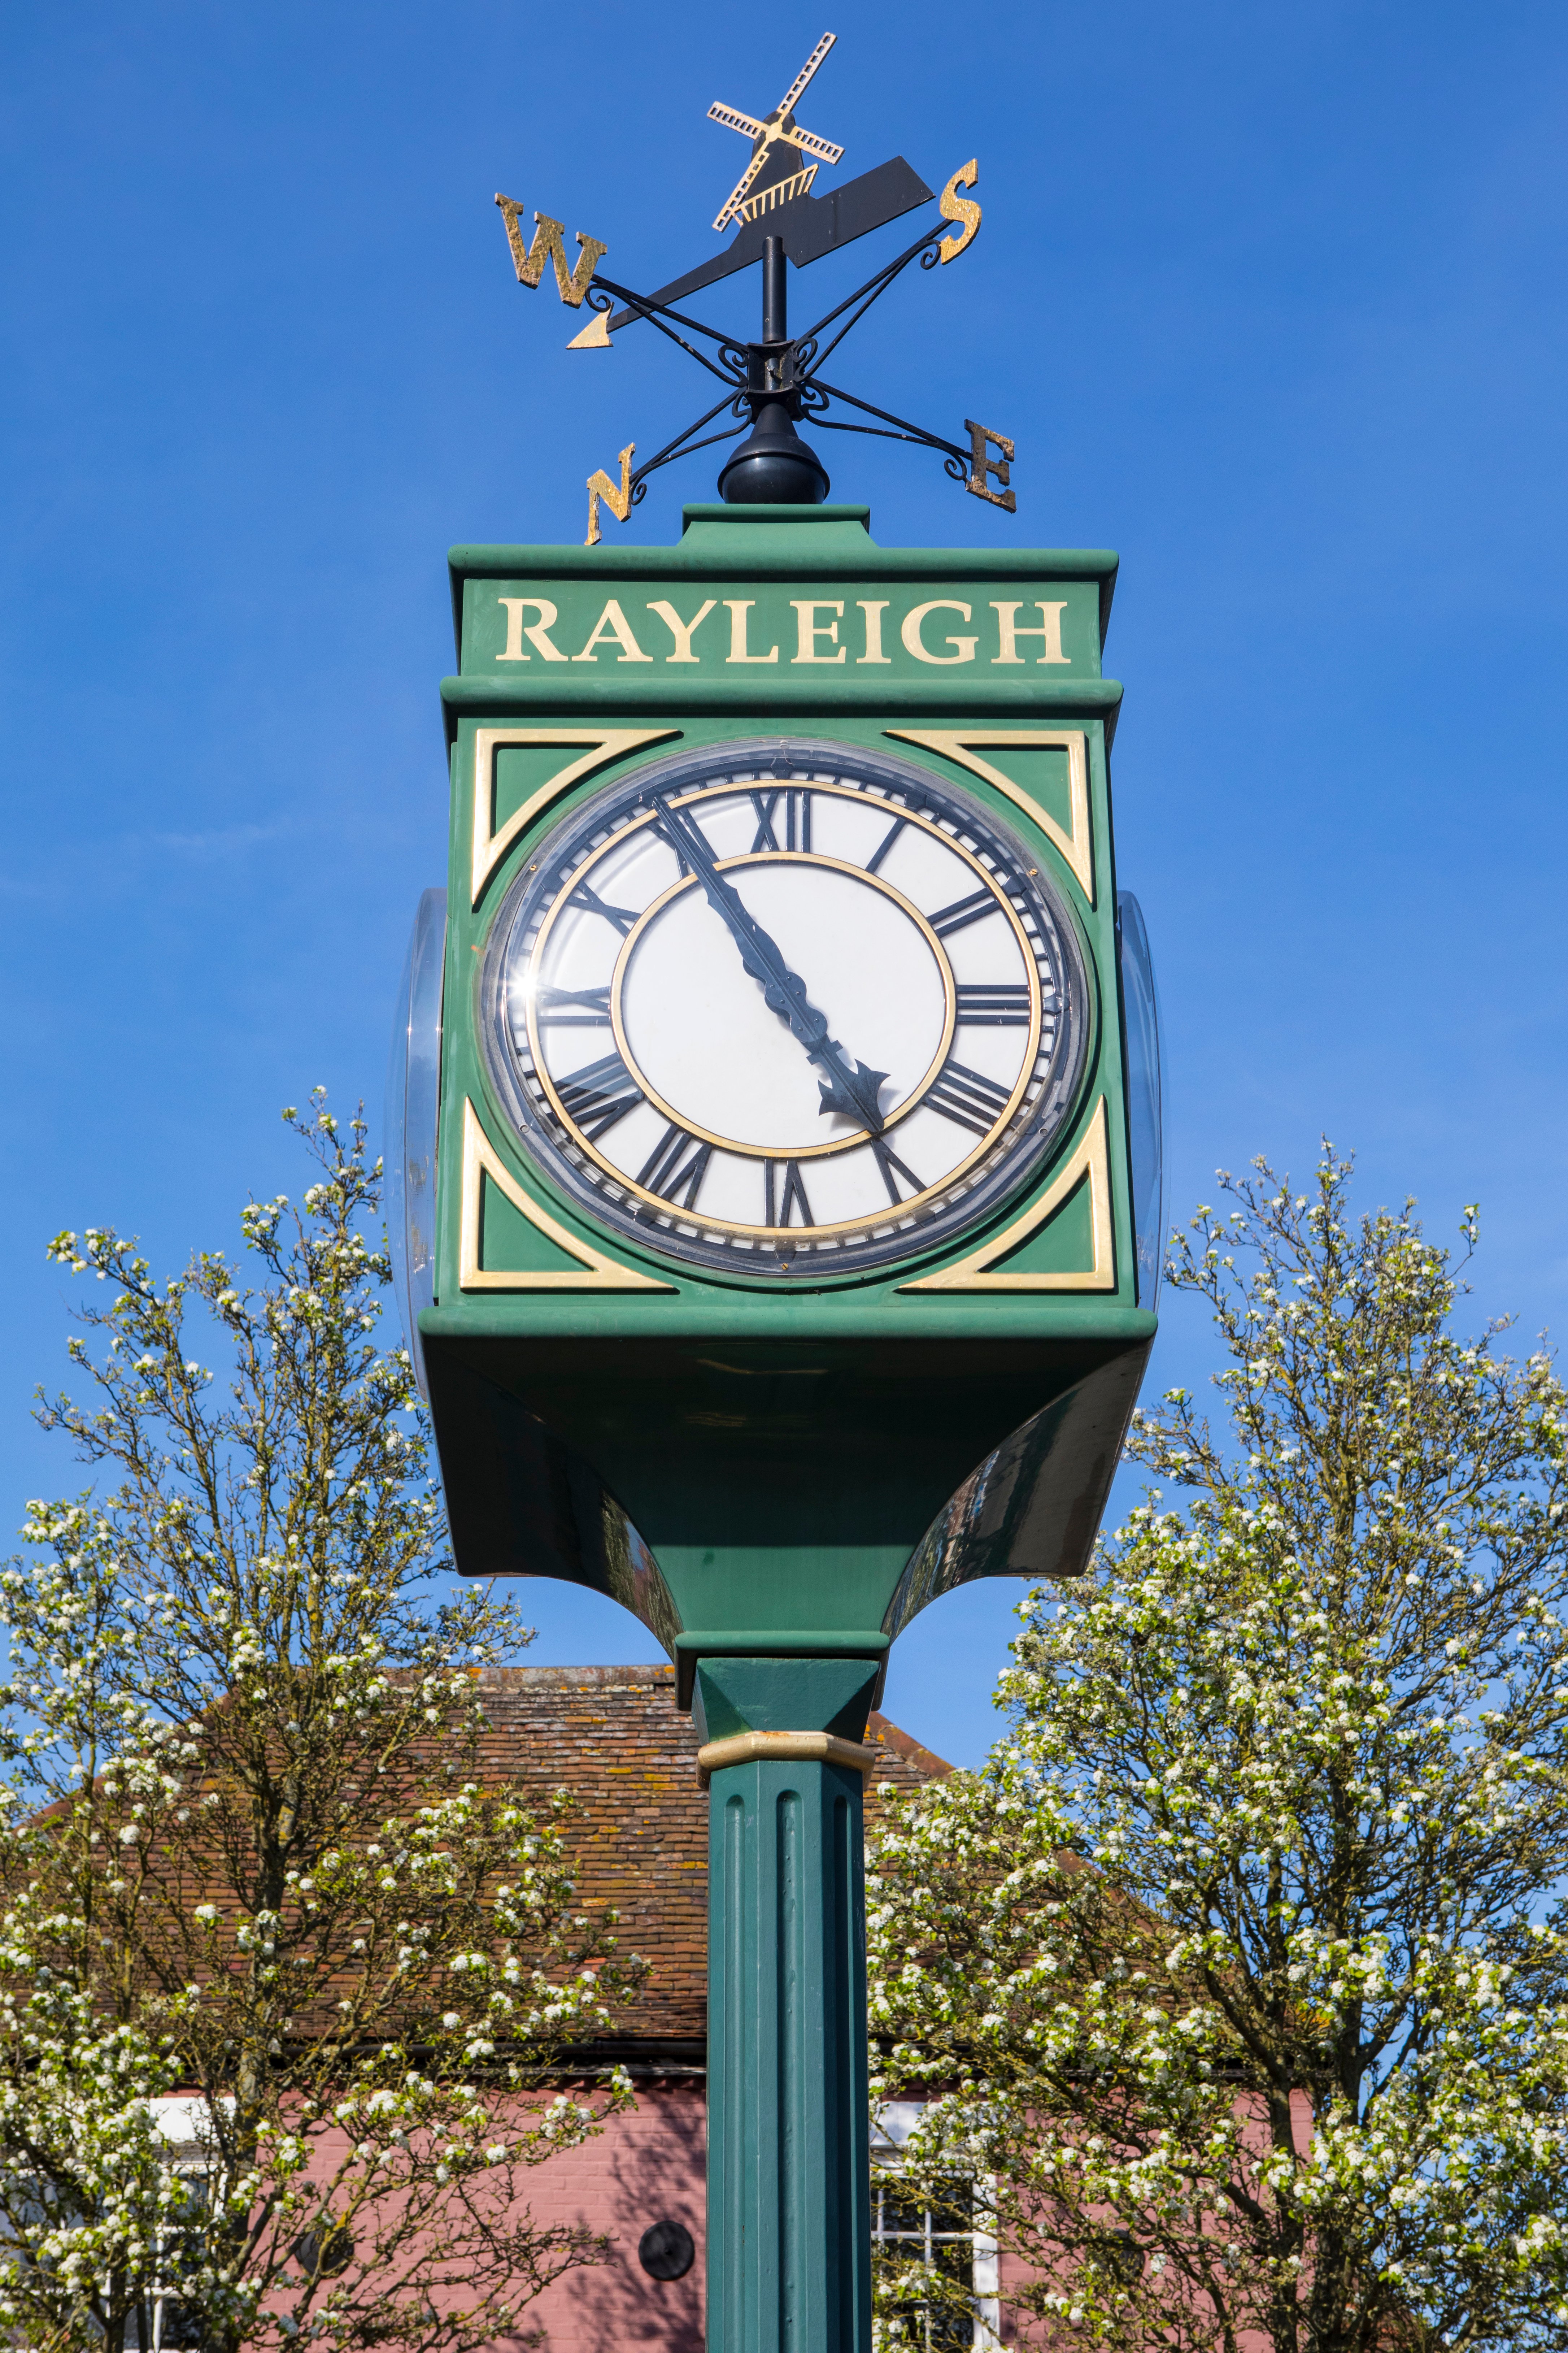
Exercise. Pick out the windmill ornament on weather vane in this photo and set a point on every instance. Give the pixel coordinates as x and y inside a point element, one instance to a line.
<point>769,385</point>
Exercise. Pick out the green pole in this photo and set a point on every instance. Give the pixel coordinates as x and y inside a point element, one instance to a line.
<point>789,2230</point>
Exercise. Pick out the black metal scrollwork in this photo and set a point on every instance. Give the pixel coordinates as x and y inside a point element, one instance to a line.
<point>784,366</point>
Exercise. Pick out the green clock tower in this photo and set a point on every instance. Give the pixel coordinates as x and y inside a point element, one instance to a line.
<point>778,1158</point>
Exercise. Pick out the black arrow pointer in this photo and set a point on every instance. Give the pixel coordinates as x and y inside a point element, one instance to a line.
<point>852,1089</point>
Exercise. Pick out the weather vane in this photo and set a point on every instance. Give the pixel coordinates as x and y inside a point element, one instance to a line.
<point>770,382</point>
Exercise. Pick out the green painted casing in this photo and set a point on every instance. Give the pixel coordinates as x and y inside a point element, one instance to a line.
<point>751,1465</point>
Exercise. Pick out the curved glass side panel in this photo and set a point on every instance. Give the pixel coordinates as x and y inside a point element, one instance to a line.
<point>412,1087</point>
<point>1145,1094</point>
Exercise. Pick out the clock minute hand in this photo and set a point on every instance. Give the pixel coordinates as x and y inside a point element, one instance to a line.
<point>852,1088</point>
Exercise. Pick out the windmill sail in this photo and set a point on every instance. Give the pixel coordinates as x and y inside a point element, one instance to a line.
<point>778,171</point>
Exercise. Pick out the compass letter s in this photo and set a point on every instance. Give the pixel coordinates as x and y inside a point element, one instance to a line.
<point>954,208</point>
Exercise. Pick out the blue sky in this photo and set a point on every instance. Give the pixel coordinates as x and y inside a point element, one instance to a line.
<point>1271,300</point>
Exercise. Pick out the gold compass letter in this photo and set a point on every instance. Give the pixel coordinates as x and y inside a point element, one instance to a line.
<point>981,466</point>
<point>954,208</point>
<point>529,260</point>
<point>620,501</point>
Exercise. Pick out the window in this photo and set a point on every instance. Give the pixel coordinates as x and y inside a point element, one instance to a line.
<point>175,2327</point>
<point>942,2231</point>
<point>168,2324</point>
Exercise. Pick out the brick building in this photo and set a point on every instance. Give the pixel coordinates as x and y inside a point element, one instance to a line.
<point>615,1737</point>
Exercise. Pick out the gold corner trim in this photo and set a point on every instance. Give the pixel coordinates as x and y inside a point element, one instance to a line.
<point>599,1272</point>
<point>1091,1160</point>
<point>1077,847</point>
<point>606,744</point>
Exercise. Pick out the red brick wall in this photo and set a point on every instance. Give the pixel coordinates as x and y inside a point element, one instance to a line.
<point>647,2166</point>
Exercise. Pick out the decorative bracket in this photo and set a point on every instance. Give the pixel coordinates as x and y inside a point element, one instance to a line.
<point>1076,844</point>
<point>597,1273</point>
<point>490,844</point>
<point>1090,1161</point>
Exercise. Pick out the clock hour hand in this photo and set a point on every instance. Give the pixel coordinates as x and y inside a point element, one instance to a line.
<point>851,1087</point>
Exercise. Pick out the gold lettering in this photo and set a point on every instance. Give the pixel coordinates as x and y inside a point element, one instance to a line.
<point>612,622</point>
<point>910,632</point>
<point>515,632</point>
<point>620,501</point>
<point>1008,632</point>
<point>682,631</point>
<point>738,608</point>
<point>982,466</point>
<point>873,608</point>
<point>954,208</point>
<point>529,262</point>
<point>810,628</point>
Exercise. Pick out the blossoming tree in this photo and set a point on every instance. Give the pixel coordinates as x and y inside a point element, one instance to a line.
<point>282,1972</point>
<point>1239,1979</point>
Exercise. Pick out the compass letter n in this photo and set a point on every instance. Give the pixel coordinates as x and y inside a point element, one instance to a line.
<point>529,260</point>
<point>617,498</point>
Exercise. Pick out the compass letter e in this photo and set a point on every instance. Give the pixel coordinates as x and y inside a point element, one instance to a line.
<point>981,466</point>
<point>529,260</point>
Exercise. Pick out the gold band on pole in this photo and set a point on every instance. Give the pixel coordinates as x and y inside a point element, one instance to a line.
<point>765,1747</point>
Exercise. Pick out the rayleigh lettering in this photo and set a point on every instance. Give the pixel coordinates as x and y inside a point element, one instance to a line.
<point>821,632</point>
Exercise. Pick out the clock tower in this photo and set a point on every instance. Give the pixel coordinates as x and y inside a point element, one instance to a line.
<point>775,1166</point>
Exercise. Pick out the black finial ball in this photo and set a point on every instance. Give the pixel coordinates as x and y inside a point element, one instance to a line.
<point>665,2250</point>
<point>773,465</point>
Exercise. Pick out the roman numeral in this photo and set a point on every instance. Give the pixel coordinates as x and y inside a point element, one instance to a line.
<point>666,1173</point>
<point>795,820</point>
<point>888,841</point>
<point>596,1096</point>
<point>621,917</point>
<point>667,823</point>
<point>1003,1006</point>
<point>574,1008</point>
<point>969,1097</point>
<point>793,1195</point>
<point>963,912</point>
<point>893,1169</point>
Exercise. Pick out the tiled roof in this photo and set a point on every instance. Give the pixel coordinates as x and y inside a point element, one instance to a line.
<point>615,1737</point>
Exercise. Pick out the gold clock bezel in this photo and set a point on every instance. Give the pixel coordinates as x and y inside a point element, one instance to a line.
<point>850,1249</point>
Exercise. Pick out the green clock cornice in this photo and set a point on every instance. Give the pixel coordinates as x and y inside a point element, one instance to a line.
<point>792,700</point>
<point>810,539</point>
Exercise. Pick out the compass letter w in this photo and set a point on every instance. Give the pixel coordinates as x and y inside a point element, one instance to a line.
<point>529,260</point>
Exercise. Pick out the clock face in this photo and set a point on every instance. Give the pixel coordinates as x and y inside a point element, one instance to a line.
<point>786,1008</point>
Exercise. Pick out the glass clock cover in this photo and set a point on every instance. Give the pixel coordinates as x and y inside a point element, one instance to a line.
<point>785,1008</point>
<point>1145,1094</point>
<point>413,1092</point>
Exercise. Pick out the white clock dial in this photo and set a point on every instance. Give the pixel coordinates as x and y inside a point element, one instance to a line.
<point>785,1008</point>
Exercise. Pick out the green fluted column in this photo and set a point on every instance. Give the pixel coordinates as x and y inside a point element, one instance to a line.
<point>789,2225</point>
